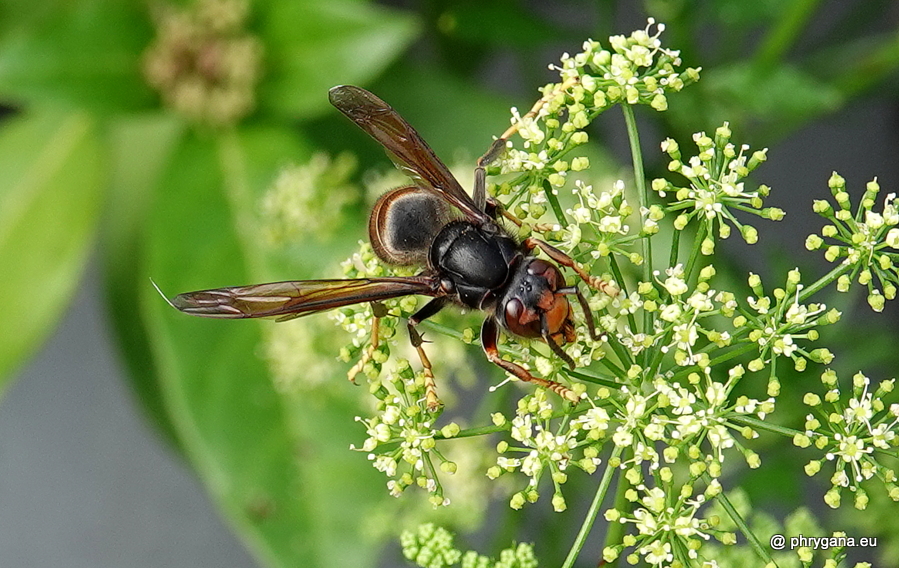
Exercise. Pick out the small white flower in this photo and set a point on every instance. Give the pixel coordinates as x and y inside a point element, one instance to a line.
<point>716,394</point>
<point>892,238</point>
<point>701,301</point>
<point>594,419</point>
<point>675,286</point>
<point>657,552</point>
<point>610,224</point>
<point>581,214</point>
<point>873,220</point>
<point>508,463</point>
<point>622,437</point>
<point>859,410</point>
<point>521,428</point>
<point>882,436</point>
<point>670,313</point>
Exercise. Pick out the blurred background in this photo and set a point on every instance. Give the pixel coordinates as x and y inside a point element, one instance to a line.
<point>143,140</point>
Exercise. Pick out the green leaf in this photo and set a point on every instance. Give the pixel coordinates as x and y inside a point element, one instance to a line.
<point>506,23</point>
<point>140,151</point>
<point>87,54</point>
<point>313,46</point>
<point>858,65</point>
<point>771,102</point>
<point>18,13</point>
<point>449,113</point>
<point>50,195</point>
<point>276,462</point>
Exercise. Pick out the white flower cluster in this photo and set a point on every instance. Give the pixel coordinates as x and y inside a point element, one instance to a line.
<point>867,240</point>
<point>851,434</point>
<point>669,529</point>
<point>305,201</point>
<point>716,187</point>
<point>402,442</point>
<point>541,449</point>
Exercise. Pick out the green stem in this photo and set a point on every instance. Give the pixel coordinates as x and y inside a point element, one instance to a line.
<point>615,531</point>
<point>675,248</point>
<point>471,432</point>
<point>741,524</point>
<point>633,137</point>
<point>604,381</point>
<point>593,512</point>
<point>696,251</point>
<point>616,370</point>
<point>554,203</point>
<point>719,360</point>
<point>616,272</point>
<point>640,180</point>
<point>762,425</point>
<point>622,286</point>
<point>824,281</point>
<point>443,330</point>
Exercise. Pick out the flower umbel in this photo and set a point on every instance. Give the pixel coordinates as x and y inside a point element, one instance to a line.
<point>404,436</point>
<point>432,547</point>
<point>667,523</point>
<point>852,433</point>
<point>546,449</point>
<point>717,187</point>
<point>868,240</point>
<point>305,200</point>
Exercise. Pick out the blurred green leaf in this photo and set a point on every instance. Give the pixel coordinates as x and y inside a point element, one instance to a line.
<point>859,65</point>
<point>50,196</point>
<point>18,13</point>
<point>312,46</point>
<point>449,113</point>
<point>737,13</point>
<point>505,23</point>
<point>277,464</point>
<point>771,102</point>
<point>86,55</point>
<point>783,33</point>
<point>140,150</point>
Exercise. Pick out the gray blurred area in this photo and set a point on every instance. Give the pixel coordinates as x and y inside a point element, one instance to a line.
<point>85,482</point>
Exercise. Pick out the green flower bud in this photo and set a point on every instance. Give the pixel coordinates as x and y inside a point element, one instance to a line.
<point>836,182</point>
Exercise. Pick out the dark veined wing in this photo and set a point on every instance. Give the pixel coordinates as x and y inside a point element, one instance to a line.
<point>404,145</point>
<point>288,300</point>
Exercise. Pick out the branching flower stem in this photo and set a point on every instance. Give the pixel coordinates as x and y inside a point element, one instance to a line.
<point>554,203</point>
<point>738,520</point>
<point>824,281</point>
<point>640,181</point>
<point>615,531</point>
<point>601,491</point>
<point>746,348</point>
<point>765,425</point>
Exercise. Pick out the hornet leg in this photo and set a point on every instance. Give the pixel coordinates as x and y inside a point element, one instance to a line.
<point>560,257</point>
<point>488,338</point>
<point>499,145</point>
<point>588,315</point>
<point>429,309</point>
<point>378,311</point>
